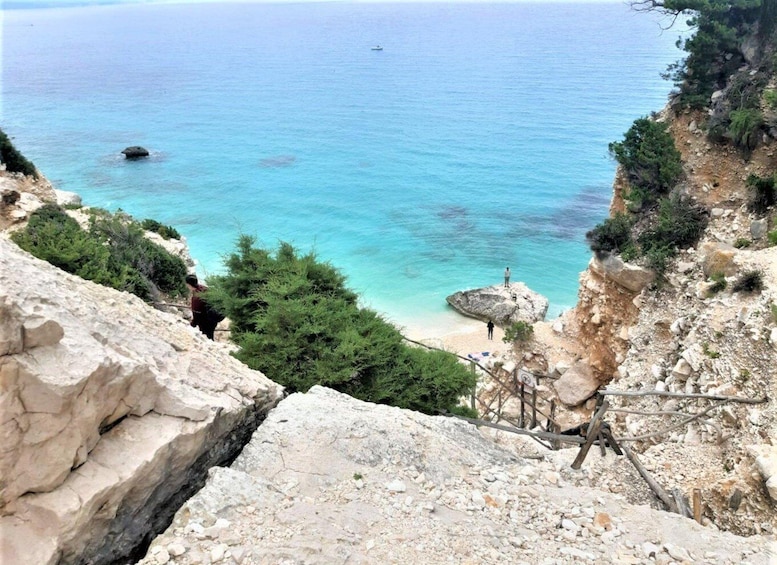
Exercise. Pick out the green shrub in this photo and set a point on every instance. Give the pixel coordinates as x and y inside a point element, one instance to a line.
<point>763,193</point>
<point>157,269</point>
<point>649,157</point>
<point>773,308</point>
<point>14,161</point>
<point>679,223</point>
<point>718,283</point>
<point>770,98</point>
<point>749,281</point>
<point>53,236</point>
<point>167,232</point>
<point>771,237</point>
<point>711,353</point>
<point>612,235</point>
<point>112,253</point>
<point>295,320</point>
<point>465,411</point>
<point>518,331</point>
<point>742,243</point>
<point>713,49</point>
<point>745,127</point>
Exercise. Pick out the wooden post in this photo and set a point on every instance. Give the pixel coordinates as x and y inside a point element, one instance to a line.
<point>552,417</point>
<point>533,407</point>
<point>474,386</point>
<point>556,444</point>
<point>591,435</point>
<point>654,486</point>
<point>607,433</point>
<point>697,509</point>
<point>520,421</point>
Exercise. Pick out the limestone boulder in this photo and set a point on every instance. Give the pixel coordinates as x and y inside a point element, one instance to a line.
<point>65,198</point>
<point>576,384</point>
<point>108,408</point>
<point>629,276</point>
<point>718,258</point>
<point>502,304</point>
<point>766,461</point>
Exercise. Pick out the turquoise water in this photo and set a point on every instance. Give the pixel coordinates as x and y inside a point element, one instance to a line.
<point>475,140</point>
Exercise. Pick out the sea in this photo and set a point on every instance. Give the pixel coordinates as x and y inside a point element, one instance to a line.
<point>475,139</point>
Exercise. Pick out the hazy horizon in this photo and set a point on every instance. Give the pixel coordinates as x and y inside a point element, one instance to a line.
<point>29,4</point>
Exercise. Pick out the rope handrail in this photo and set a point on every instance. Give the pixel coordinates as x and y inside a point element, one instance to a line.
<point>489,373</point>
<point>721,397</point>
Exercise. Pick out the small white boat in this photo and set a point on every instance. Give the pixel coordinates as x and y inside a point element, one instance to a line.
<point>377,48</point>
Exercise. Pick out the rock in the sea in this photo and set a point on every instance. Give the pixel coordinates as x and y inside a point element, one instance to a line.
<point>135,152</point>
<point>110,412</point>
<point>503,305</point>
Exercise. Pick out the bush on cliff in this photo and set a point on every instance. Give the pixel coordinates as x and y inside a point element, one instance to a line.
<point>14,161</point>
<point>677,223</point>
<point>612,235</point>
<point>745,128</point>
<point>295,320</point>
<point>112,253</point>
<point>649,157</point>
<point>763,193</point>
<point>167,232</point>
<point>713,49</point>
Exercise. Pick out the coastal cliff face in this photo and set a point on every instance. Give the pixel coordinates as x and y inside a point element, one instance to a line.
<point>111,413</point>
<point>683,337</point>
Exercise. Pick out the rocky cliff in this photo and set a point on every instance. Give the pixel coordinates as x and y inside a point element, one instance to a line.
<point>683,337</point>
<point>111,413</point>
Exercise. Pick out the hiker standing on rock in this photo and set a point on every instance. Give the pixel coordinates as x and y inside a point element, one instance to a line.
<point>507,277</point>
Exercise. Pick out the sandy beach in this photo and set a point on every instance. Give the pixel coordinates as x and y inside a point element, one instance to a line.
<point>454,332</point>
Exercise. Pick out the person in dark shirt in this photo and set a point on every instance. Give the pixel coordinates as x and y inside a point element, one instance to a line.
<point>200,311</point>
<point>490,326</point>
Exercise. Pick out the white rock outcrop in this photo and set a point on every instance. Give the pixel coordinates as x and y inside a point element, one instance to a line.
<point>502,304</point>
<point>330,479</point>
<point>109,410</point>
<point>576,384</point>
<point>627,275</point>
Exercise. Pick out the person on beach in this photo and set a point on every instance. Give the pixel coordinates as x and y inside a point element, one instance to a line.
<point>490,326</point>
<point>202,316</point>
<point>507,277</point>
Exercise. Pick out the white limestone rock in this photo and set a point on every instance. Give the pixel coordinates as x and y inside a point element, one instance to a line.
<point>627,275</point>
<point>473,492</point>
<point>106,403</point>
<point>766,461</point>
<point>576,384</point>
<point>66,198</point>
<point>503,305</point>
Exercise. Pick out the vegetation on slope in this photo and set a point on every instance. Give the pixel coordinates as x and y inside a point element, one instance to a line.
<point>658,221</point>
<point>295,320</point>
<point>113,252</point>
<point>14,161</point>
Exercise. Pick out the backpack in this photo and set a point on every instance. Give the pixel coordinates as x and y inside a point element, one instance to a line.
<point>213,315</point>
